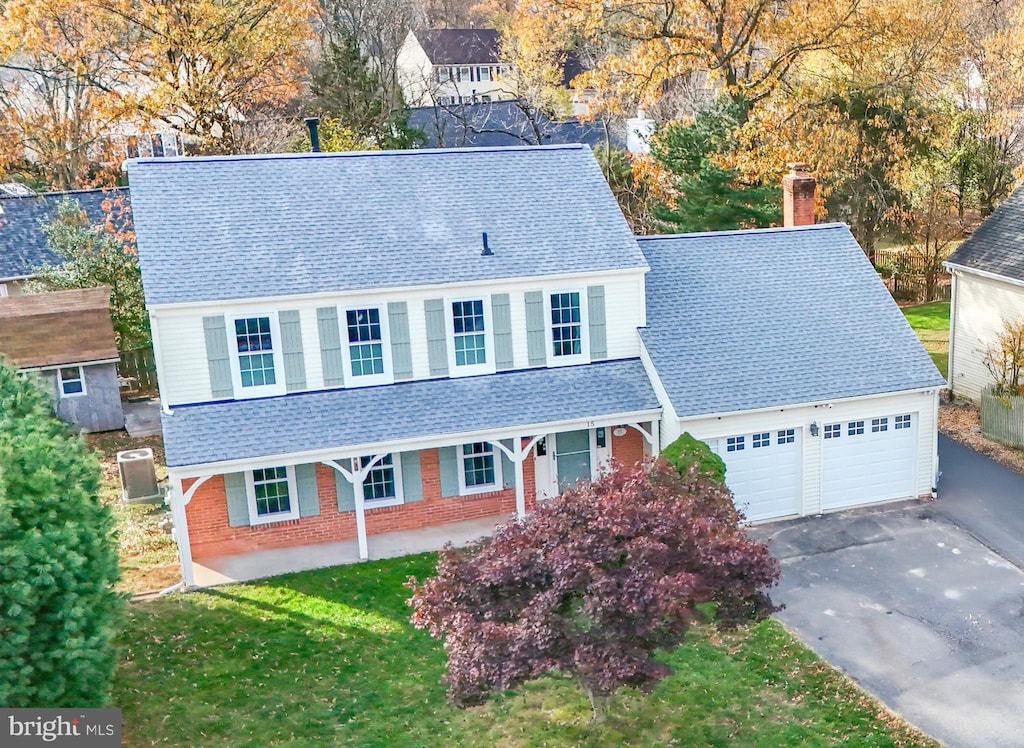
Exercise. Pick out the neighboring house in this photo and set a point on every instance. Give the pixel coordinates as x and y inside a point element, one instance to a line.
<point>66,337</point>
<point>452,66</point>
<point>23,245</point>
<point>353,343</point>
<point>987,290</point>
<point>503,123</point>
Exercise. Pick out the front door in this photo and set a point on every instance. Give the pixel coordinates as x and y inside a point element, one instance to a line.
<point>572,457</point>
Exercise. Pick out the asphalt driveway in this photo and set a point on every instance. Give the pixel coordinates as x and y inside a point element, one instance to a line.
<point>921,602</point>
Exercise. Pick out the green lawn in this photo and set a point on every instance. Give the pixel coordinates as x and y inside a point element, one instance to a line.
<point>931,323</point>
<point>329,658</point>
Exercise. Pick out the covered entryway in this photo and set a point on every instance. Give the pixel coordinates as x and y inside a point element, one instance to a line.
<point>763,471</point>
<point>867,460</point>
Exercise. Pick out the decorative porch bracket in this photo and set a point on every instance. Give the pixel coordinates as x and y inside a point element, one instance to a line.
<point>518,455</point>
<point>356,478</point>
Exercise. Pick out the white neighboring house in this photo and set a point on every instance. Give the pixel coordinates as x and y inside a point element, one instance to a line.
<point>452,66</point>
<point>987,290</point>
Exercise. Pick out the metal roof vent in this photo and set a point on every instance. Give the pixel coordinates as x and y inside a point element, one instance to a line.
<point>487,250</point>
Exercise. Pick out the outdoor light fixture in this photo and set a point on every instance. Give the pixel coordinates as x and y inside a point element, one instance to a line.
<point>814,428</point>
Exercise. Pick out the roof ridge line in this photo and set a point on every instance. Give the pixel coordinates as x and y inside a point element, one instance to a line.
<point>729,232</point>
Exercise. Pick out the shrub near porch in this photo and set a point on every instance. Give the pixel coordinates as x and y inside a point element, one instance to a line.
<point>330,658</point>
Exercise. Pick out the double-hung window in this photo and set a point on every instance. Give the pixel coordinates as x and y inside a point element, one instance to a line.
<point>255,343</point>
<point>367,350</point>
<point>72,383</point>
<point>272,495</point>
<point>382,485</point>
<point>567,331</point>
<point>471,342</point>
<point>481,468</point>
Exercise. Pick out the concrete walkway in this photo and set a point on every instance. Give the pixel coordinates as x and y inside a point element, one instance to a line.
<point>259,564</point>
<point>922,603</point>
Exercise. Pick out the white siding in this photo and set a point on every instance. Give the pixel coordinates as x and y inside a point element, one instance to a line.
<point>924,406</point>
<point>184,374</point>
<point>982,306</point>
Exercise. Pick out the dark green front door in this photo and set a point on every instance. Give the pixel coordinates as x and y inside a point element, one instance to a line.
<point>572,453</point>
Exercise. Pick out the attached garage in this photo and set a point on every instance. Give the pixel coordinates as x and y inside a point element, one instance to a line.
<point>764,471</point>
<point>755,334</point>
<point>864,460</point>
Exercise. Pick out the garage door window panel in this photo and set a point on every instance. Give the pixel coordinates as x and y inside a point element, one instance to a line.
<point>855,428</point>
<point>787,436</point>
<point>879,424</point>
<point>902,422</point>
<point>833,430</point>
<point>735,443</point>
<point>762,440</point>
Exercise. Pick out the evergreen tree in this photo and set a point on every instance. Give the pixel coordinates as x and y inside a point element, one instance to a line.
<point>709,196</point>
<point>58,610</point>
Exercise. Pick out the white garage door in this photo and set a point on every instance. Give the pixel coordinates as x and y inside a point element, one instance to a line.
<point>763,471</point>
<point>866,460</point>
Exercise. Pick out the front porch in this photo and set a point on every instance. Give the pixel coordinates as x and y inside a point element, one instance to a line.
<point>245,567</point>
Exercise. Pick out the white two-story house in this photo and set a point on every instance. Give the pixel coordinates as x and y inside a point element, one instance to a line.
<point>449,67</point>
<point>350,344</point>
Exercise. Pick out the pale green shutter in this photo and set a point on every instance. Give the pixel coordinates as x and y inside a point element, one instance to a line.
<point>218,358</point>
<point>401,347</point>
<point>502,325</point>
<point>238,500</point>
<point>291,347</point>
<point>305,485</point>
<point>598,329</point>
<point>346,491</point>
<point>448,464</point>
<point>437,344</point>
<point>536,338</point>
<point>412,482</point>
<point>330,346</point>
<point>508,470</point>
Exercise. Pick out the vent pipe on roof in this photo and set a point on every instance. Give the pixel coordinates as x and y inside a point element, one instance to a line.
<point>487,250</point>
<point>314,136</point>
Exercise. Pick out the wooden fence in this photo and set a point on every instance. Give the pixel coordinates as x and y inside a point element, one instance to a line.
<point>904,276</point>
<point>137,370</point>
<point>1002,418</point>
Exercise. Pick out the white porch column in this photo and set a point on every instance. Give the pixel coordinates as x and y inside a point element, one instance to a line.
<point>518,455</point>
<point>179,499</point>
<point>357,489</point>
<point>655,438</point>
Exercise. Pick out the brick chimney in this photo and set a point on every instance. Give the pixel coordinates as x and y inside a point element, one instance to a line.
<point>798,196</point>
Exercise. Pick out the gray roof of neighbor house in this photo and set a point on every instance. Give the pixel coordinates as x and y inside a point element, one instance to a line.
<point>460,46</point>
<point>342,419</point>
<point>997,245</point>
<point>502,123</point>
<point>235,227</point>
<point>23,245</point>
<point>743,320</point>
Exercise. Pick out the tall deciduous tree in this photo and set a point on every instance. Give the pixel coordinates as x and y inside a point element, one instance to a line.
<point>53,121</point>
<point>593,583</point>
<point>204,65</point>
<point>744,45</point>
<point>59,612</point>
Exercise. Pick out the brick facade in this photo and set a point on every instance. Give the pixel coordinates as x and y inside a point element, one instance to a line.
<point>630,448</point>
<point>211,535</point>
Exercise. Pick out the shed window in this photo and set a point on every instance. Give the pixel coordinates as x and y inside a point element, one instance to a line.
<point>71,381</point>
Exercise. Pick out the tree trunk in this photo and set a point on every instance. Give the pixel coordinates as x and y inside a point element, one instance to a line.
<point>598,706</point>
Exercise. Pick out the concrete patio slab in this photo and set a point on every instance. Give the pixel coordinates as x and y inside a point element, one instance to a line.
<point>142,418</point>
<point>260,564</point>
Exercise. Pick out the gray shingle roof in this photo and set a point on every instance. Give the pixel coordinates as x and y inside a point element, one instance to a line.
<point>219,228</point>
<point>502,123</point>
<point>23,245</point>
<point>460,46</point>
<point>338,419</point>
<point>744,320</point>
<point>997,245</point>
